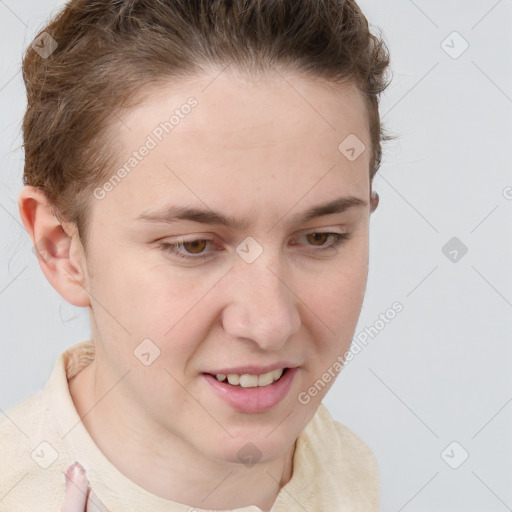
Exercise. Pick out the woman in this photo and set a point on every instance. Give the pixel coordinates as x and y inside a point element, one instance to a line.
<point>199,176</point>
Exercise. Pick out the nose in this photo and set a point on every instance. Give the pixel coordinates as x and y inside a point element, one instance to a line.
<point>262,306</point>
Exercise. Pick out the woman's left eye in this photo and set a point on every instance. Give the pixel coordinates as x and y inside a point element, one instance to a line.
<point>194,248</point>
<point>338,238</point>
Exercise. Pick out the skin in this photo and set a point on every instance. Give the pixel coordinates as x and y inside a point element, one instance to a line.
<point>78,496</point>
<point>261,150</point>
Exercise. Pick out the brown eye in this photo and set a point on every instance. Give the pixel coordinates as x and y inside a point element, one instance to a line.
<point>189,249</point>
<point>195,246</point>
<point>325,241</point>
<point>318,237</point>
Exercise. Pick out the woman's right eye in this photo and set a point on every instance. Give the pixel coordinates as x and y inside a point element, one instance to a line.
<point>193,248</point>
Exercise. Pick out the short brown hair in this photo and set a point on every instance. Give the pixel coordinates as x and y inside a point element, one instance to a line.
<point>110,50</point>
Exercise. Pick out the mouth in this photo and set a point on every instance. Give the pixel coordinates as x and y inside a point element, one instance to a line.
<point>246,395</point>
<point>248,380</point>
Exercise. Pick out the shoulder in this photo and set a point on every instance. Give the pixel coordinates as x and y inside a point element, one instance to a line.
<point>19,422</point>
<point>29,445</point>
<point>34,449</point>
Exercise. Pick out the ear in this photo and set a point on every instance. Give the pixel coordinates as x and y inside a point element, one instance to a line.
<point>374,201</point>
<point>57,247</point>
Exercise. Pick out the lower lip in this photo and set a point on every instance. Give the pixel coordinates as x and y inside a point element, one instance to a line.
<point>253,400</point>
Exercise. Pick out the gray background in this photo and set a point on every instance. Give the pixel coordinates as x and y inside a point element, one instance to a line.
<point>440,370</point>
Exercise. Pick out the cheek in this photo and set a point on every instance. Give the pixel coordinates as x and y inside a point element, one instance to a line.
<point>165,306</point>
<point>338,301</point>
<point>140,293</point>
<point>336,296</point>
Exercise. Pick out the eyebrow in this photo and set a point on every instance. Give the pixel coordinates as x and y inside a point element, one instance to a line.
<point>174,213</point>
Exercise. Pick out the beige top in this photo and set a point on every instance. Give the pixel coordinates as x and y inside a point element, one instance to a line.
<point>333,470</point>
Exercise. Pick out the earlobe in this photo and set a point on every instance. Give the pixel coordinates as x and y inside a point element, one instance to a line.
<point>63,267</point>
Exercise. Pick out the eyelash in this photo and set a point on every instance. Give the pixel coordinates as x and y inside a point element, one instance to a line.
<point>339,239</point>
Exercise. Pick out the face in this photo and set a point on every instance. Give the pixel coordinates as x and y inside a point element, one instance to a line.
<point>273,288</point>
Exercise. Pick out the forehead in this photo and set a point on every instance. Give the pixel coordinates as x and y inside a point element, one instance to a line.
<point>234,111</point>
<point>219,137</point>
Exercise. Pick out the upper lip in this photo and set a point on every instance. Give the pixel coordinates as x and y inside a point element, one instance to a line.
<point>254,370</point>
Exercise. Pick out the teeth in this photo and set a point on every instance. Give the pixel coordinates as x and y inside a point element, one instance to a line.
<point>251,381</point>
<point>265,379</point>
<point>248,381</point>
<point>233,379</point>
<point>276,374</point>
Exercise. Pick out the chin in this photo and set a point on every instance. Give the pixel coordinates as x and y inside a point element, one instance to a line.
<point>254,449</point>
